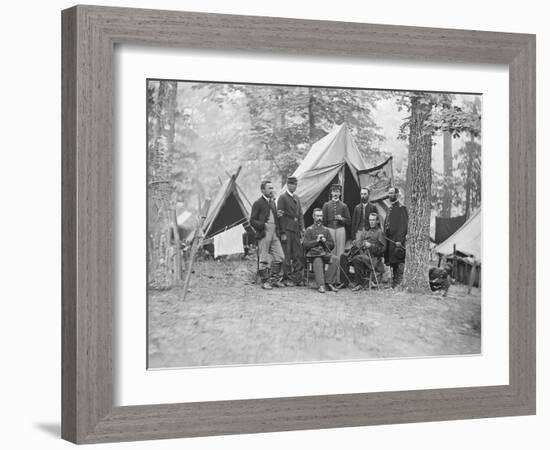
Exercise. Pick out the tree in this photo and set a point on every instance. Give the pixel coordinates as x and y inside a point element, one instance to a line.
<point>456,121</point>
<point>447,174</point>
<point>280,124</point>
<point>419,180</point>
<point>429,113</point>
<point>287,120</point>
<point>470,168</point>
<point>333,106</point>
<point>163,263</point>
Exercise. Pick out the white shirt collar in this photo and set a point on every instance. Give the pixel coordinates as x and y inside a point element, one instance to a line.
<point>289,193</point>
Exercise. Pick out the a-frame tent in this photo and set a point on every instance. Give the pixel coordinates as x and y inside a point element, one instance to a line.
<point>467,239</point>
<point>229,208</point>
<point>333,159</point>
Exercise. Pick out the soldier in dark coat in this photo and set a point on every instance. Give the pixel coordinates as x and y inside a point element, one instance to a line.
<point>292,230</point>
<point>361,213</point>
<point>370,245</point>
<point>318,244</point>
<point>265,221</point>
<point>395,229</point>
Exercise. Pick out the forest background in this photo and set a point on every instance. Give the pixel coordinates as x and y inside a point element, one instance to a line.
<point>200,133</point>
<point>269,129</point>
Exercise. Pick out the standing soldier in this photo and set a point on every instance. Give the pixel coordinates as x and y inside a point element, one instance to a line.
<point>265,221</point>
<point>361,213</point>
<point>395,228</point>
<point>335,218</point>
<point>292,230</point>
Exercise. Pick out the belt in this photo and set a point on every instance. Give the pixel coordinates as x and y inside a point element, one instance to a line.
<point>334,225</point>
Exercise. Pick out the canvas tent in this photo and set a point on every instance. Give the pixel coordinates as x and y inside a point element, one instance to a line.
<point>228,209</point>
<point>333,159</point>
<point>467,239</point>
<point>445,227</point>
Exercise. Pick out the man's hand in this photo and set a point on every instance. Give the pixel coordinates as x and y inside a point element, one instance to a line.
<point>367,244</point>
<point>399,244</point>
<point>283,236</point>
<point>280,213</point>
<point>338,217</point>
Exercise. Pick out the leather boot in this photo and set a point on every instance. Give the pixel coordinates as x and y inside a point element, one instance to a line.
<point>264,277</point>
<point>276,276</point>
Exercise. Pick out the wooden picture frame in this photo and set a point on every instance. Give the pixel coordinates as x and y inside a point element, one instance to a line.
<point>89,37</point>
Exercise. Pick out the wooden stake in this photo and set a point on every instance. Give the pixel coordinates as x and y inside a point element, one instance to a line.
<point>197,242</point>
<point>177,244</point>
<point>455,275</point>
<point>472,276</point>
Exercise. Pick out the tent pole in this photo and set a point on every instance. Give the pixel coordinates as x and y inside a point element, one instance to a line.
<point>342,179</point>
<point>454,262</point>
<point>197,242</point>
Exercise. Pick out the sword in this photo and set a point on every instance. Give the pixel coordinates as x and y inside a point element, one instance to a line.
<point>373,268</point>
<point>324,244</point>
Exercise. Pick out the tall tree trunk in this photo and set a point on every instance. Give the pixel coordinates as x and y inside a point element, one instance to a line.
<point>163,254</point>
<point>419,184</point>
<point>447,174</point>
<point>470,156</point>
<point>311,116</point>
<point>407,193</point>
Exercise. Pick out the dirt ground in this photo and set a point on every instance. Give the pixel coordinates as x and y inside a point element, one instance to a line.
<point>228,319</point>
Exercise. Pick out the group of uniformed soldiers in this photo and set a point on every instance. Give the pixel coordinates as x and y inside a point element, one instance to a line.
<point>283,239</point>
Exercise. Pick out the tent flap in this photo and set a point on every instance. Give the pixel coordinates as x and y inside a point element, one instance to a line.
<point>467,238</point>
<point>324,161</point>
<point>229,208</point>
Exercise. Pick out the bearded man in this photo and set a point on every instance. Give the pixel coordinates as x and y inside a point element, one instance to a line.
<point>395,229</point>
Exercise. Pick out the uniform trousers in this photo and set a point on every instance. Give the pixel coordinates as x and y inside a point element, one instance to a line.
<point>270,245</point>
<point>364,266</point>
<point>293,263</point>
<point>339,237</point>
<point>328,277</point>
<point>397,273</point>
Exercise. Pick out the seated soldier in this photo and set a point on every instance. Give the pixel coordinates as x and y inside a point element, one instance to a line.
<point>440,278</point>
<point>370,245</point>
<point>318,244</point>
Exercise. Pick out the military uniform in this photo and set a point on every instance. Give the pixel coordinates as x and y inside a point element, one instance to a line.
<point>367,260</point>
<point>360,220</point>
<point>320,254</point>
<point>264,221</point>
<point>395,228</point>
<point>292,226</point>
<point>336,226</point>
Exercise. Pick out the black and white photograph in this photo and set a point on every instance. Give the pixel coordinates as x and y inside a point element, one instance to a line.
<point>296,224</point>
